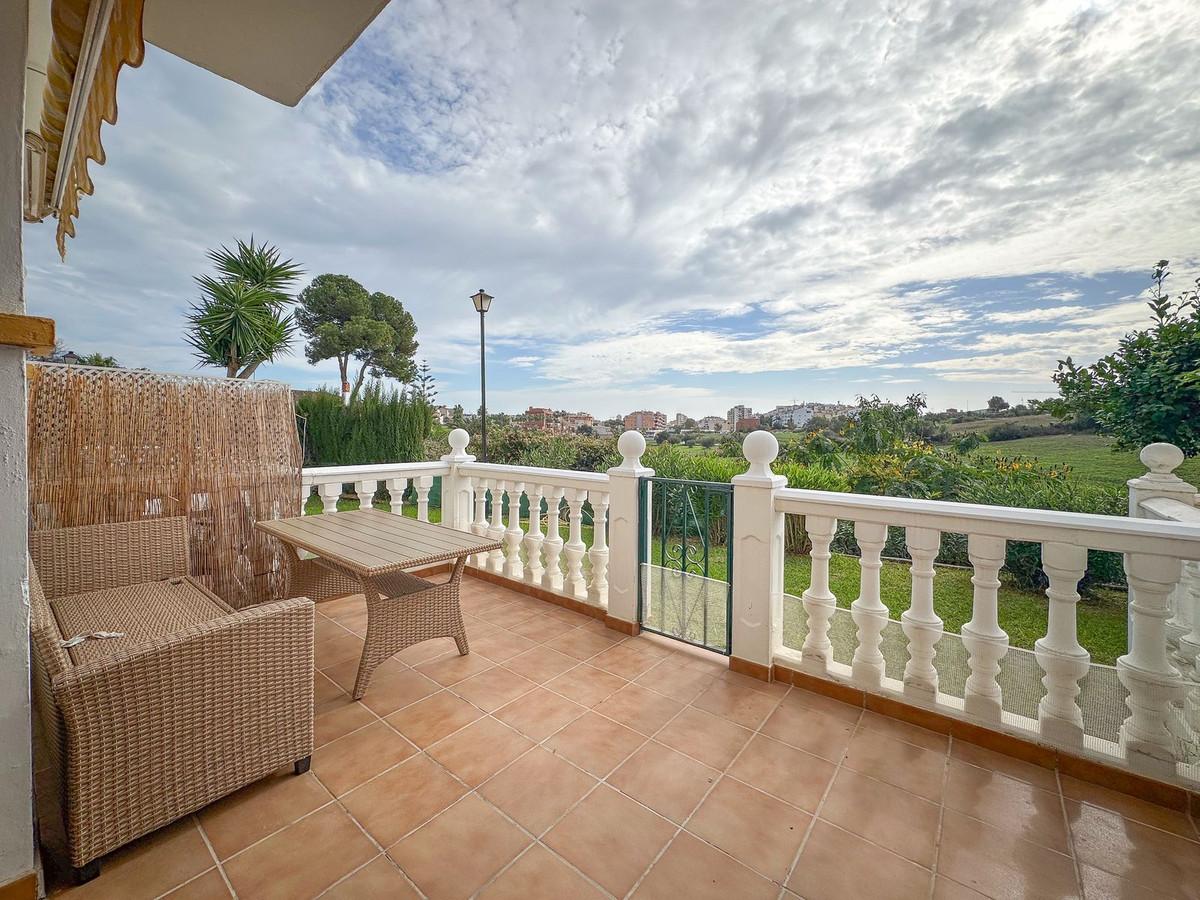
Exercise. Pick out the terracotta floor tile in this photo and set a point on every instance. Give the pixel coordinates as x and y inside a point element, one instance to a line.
<point>1100,885</point>
<point>537,789</point>
<point>209,886</point>
<point>390,691</point>
<point>668,782</point>
<point>349,761</point>
<point>710,739</point>
<point>639,708</point>
<point>1026,811</point>
<point>1038,776</point>
<point>691,868</point>
<point>401,799</point>
<point>542,628</point>
<point>431,649</point>
<point>344,673</point>
<point>336,648</point>
<point>453,669</point>
<point>904,765</point>
<point>580,644</point>
<point>237,821</point>
<point>1146,856</point>
<point>380,879</point>
<point>507,615</point>
<point>541,664</point>
<point>480,750</point>
<point>428,721</point>
<point>540,713</point>
<point>836,864</point>
<point>285,864</point>
<point>342,606</point>
<point>801,726</point>
<point>355,621</point>
<point>459,851</point>
<point>501,645</point>
<point>1129,807</point>
<point>736,702</point>
<point>610,838</point>
<point>754,828</point>
<point>772,688</point>
<point>150,865</point>
<point>562,614</point>
<point>586,685</point>
<point>903,731</point>
<point>995,862</point>
<point>625,660</point>
<point>327,694</point>
<point>675,680</point>
<point>595,744</point>
<point>885,815</point>
<point>784,772</point>
<point>836,709</point>
<point>331,725</point>
<point>653,644</point>
<point>945,889</point>
<point>494,688</point>
<point>539,873</point>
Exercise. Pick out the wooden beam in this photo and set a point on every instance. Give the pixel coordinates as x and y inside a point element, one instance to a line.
<point>34,333</point>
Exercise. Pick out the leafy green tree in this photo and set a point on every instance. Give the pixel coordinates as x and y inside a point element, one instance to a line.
<point>240,321</point>
<point>1149,389</point>
<point>100,360</point>
<point>342,321</point>
<point>424,386</point>
<point>997,404</point>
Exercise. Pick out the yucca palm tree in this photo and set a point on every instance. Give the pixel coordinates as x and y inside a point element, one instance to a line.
<point>241,319</point>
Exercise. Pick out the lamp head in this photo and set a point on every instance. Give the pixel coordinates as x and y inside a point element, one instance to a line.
<point>482,301</point>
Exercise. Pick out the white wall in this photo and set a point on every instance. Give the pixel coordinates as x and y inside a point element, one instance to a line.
<point>16,766</point>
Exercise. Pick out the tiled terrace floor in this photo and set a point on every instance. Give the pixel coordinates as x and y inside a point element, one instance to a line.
<point>558,760</point>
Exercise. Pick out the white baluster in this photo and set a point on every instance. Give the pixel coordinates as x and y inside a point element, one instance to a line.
<point>598,585</point>
<point>513,535</point>
<point>396,488</point>
<point>330,491</point>
<point>365,490</point>
<point>479,524</point>
<point>868,611</point>
<point>921,624</point>
<point>983,637</point>
<point>534,537</point>
<point>306,489</point>
<point>1153,683</point>
<point>552,578</point>
<point>1059,653</point>
<point>574,548</point>
<point>819,602</point>
<point>1189,644</point>
<point>495,532</point>
<point>424,483</point>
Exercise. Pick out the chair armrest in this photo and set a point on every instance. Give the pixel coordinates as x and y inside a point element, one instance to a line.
<point>191,715</point>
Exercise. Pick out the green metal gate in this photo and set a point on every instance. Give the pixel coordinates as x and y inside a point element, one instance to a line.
<point>685,583</point>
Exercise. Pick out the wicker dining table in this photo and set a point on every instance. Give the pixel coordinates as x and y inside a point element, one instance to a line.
<point>370,551</point>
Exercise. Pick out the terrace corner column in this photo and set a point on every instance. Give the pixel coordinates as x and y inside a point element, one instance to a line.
<point>757,537</point>
<point>456,488</point>
<point>624,531</point>
<point>16,787</point>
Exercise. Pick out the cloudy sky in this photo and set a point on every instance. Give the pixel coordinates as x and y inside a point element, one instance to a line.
<point>677,205</point>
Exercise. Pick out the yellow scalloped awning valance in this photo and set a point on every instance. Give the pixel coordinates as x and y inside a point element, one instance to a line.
<point>91,40</point>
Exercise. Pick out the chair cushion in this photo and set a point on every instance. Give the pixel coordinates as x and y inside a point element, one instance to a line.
<point>141,611</point>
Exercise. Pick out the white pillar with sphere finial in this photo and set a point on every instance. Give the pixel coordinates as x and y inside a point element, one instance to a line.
<point>624,517</point>
<point>456,488</point>
<point>757,559</point>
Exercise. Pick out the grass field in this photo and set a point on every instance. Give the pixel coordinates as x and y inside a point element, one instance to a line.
<point>985,424</point>
<point>1088,455</point>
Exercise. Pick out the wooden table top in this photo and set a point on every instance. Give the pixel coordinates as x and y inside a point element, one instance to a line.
<point>372,542</point>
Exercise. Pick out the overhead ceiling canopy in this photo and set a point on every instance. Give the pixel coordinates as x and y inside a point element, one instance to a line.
<point>277,48</point>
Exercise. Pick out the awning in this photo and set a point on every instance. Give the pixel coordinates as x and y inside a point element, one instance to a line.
<point>91,40</point>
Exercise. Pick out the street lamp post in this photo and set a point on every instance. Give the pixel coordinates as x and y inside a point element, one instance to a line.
<point>482,301</point>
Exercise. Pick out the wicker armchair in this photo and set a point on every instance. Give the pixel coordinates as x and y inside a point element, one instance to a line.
<point>156,698</point>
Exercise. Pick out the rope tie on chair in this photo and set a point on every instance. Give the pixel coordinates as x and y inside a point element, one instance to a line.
<point>90,635</point>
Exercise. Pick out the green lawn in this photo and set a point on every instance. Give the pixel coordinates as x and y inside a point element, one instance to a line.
<point>1088,455</point>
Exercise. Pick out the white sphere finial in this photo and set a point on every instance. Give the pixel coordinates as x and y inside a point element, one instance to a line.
<point>631,446</point>
<point>1161,459</point>
<point>459,440</point>
<point>760,449</point>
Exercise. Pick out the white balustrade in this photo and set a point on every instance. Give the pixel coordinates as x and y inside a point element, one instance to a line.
<point>396,488</point>
<point>1059,653</point>
<point>597,589</point>
<point>479,524</point>
<point>513,535</point>
<point>495,531</point>
<point>365,491</point>
<point>819,602</point>
<point>868,611</point>
<point>574,583</point>
<point>985,640</point>
<point>922,626</point>
<point>534,537</point>
<point>330,492</point>
<point>424,483</point>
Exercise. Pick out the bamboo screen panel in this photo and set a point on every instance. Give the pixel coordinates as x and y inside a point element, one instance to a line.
<point>116,445</point>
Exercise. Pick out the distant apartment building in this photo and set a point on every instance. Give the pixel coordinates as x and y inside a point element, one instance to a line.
<point>736,413</point>
<point>794,415</point>
<point>679,421</point>
<point>538,418</point>
<point>749,423</point>
<point>442,414</point>
<point>542,418</point>
<point>572,422</point>
<point>645,420</point>
<point>711,424</point>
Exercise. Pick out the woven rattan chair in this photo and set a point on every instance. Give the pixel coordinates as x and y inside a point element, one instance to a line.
<point>157,698</point>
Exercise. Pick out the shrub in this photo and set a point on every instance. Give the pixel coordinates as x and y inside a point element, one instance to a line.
<point>380,426</point>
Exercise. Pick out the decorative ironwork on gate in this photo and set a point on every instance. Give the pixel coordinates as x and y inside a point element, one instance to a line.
<point>685,588</point>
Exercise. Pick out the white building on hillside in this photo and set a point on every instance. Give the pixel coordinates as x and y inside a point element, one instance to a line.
<point>794,415</point>
<point>711,423</point>
<point>737,413</point>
